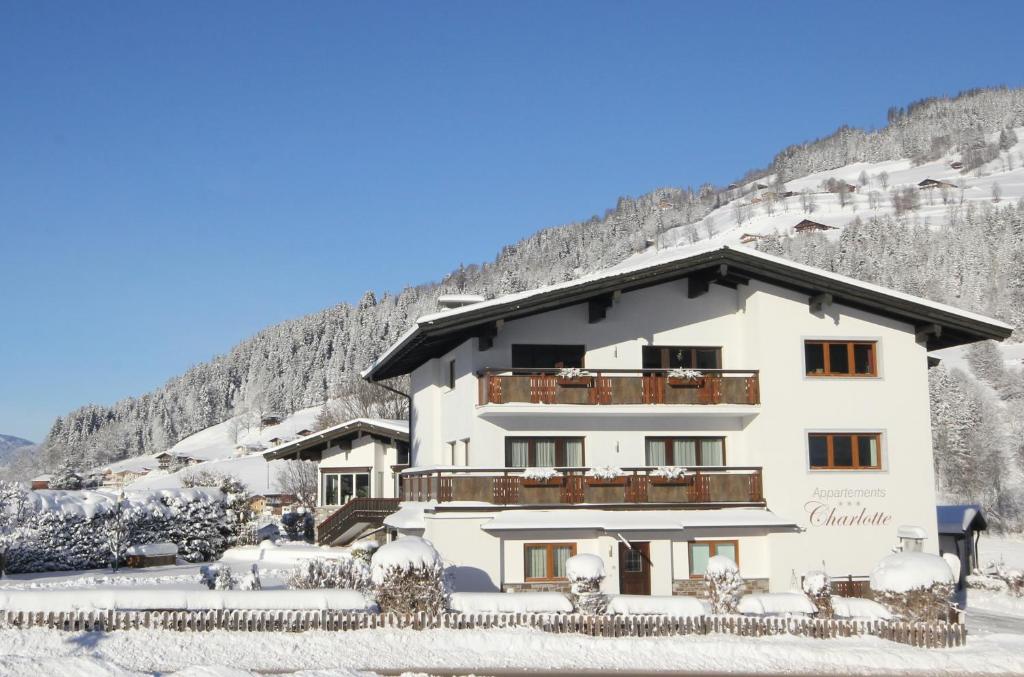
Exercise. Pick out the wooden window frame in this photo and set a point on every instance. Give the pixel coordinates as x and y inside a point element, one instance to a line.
<point>850,344</point>
<point>714,551</point>
<point>854,438</point>
<point>664,350</point>
<point>670,452</point>
<point>549,559</point>
<point>531,454</point>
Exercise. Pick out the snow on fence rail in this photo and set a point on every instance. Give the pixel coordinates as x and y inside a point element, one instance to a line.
<point>931,634</point>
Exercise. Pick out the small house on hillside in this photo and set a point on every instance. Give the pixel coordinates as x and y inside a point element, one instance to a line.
<point>747,238</point>
<point>305,432</point>
<point>956,165</point>
<point>41,482</point>
<point>933,183</point>
<point>839,187</point>
<point>270,419</point>
<point>808,226</point>
<point>164,460</point>
<point>760,186</point>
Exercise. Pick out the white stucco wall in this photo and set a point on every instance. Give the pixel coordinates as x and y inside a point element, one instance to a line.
<point>363,452</point>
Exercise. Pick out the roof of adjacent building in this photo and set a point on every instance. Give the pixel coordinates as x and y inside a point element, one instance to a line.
<point>959,519</point>
<point>435,334</point>
<point>383,427</point>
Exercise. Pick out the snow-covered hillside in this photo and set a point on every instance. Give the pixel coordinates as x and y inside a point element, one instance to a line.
<point>753,212</point>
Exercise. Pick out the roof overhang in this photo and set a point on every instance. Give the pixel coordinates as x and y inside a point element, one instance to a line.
<point>938,325</point>
<point>350,429</point>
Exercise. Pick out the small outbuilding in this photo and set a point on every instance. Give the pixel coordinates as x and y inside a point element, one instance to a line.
<point>808,226</point>
<point>960,527</point>
<point>934,183</point>
<point>152,555</point>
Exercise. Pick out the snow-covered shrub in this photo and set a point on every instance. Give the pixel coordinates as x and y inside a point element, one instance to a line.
<point>239,526</point>
<point>979,581</point>
<point>1012,580</point>
<point>605,472</point>
<point>65,478</point>
<point>914,586</point>
<point>818,586</point>
<point>117,528</point>
<point>408,576</point>
<point>225,579</point>
<point>585,573</point>
<point>363,551</point>
<point>13,529</point>
<point>724,583</point>
<point>350,573</point>
<point>251,580</point>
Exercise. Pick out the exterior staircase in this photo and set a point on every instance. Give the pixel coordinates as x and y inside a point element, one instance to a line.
<point>352,519</point>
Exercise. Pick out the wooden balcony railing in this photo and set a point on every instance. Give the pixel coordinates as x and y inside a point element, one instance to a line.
<point>706,485</point>
<point>618,386</point>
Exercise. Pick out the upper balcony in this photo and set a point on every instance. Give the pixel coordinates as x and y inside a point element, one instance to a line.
<point>699,487</point>
<point>611,387</point>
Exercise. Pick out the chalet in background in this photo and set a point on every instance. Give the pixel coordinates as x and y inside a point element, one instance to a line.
<point>934,183</point>
<point>808,226</point>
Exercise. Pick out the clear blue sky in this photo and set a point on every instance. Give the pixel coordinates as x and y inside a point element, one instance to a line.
<point>176,176</point>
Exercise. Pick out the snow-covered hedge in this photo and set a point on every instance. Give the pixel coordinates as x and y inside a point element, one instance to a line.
<point>503,602</point>
<point>665,605</point>
<point>857,607</point>
<point>344,572</point>
<point>68,529</point>
<point>914,586</point>
<point>408,575</point>
<point>776,604</point>
<point>140,599</point>
<point>585,573</point>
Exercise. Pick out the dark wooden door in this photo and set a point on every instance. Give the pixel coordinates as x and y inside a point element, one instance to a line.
<point>635,569</point>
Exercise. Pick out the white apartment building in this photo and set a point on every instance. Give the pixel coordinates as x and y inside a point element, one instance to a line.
<point>694,403</point>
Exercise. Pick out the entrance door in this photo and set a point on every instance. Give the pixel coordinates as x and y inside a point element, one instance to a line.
<point>635,569</point>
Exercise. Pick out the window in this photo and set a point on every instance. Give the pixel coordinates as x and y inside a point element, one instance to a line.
<point>451,374</point>
<point>845,451</point>
<point>338,488</point>
<point>686,357</point>
<point>546,452</point>
<point>702,551</point>
<point>546,561</point>
<point>685,451</point>
<point>402,452</point>
<point>840,358</point>
<point>544,356</point>
<point>633,561</point>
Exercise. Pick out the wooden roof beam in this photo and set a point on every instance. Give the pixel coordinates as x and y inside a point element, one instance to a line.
<point>597,307</point>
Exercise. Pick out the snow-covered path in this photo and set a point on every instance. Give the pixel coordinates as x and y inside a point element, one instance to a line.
<point>983,621</point>
<point>43,652</point>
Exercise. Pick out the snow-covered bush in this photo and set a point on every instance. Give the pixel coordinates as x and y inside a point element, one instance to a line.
<point>724,583</point>
<point>239,519</point>
<point>251,580</point>
<point>818,586</point>
<point>585,573</point>
<point>408,576</point>
<point>350,573</point>
<point>13,529</point>
<point>225,579</point>
<point>605,472</point>
<point>298,525</point>
<point>914,586</point>
<point>999,578</point>
<point>363,551</point>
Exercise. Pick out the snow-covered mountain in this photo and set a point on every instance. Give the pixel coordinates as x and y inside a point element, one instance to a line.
<point>883,226</point>
<point>10,445</point>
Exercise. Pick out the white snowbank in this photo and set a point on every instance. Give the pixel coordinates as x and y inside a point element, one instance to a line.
<point>504,602</point>
<point>181,600</point>
<point>858,607</point>
<point>905,571</point>
<point>665,605</point>
<point>776,604</point>
<point>153,550</point>
<point>285,554</point>
<point>584,567</point>
<point>407,553</point>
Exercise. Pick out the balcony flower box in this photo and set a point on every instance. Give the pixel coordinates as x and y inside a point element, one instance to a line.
<point>537,482</point>
<point>672,481</point>
<point>672,476</point>
<point>606,476</point>
<point>574,377</point>
<point>685,378</point>
<point>542,477</point>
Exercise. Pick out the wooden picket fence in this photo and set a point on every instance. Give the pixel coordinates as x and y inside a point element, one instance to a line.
<point>932,635</point>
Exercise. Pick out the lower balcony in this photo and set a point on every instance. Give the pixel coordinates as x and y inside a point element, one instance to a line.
<point>705,486</point>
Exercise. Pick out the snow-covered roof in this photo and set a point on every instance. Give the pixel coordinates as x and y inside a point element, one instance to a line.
<point>958,519</point>
<point>373,426</point>
<point>635,520</point>
<point>436,333</point>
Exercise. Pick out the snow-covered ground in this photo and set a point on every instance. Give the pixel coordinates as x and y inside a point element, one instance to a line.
<point>479,651</point>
